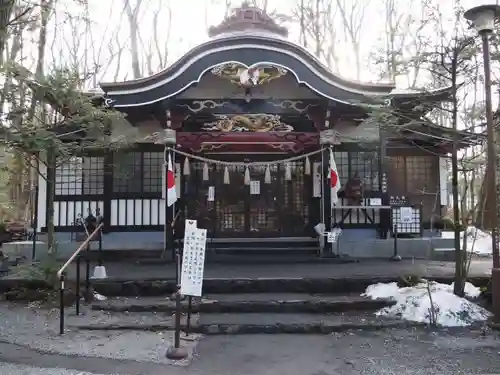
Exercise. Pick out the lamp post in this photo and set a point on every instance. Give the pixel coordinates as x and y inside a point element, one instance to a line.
<point>483,18</point>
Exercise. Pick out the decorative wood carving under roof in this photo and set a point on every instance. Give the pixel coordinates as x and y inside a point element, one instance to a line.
<point>247,18</point>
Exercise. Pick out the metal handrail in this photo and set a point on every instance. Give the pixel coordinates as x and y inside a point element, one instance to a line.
<point>62,274</point>
<point>80,248</point>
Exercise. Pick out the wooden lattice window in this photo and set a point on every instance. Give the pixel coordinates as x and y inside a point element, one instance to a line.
<point>127,173</point>
<point>152,166</point>
<point>80,176</point>
<point>419,176</point>
<point>93,175</point>
<point>138,172</point>
<point>342,162</point>
<point>412,174</point>
<point>363,164</point>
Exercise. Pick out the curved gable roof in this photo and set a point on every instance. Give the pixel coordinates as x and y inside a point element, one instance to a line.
<point>248,50</point>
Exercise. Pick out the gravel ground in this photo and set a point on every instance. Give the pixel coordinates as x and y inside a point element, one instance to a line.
<point>38,328</point>
<point>402,352</point>
<point>393,352</point>
<point>9,369</point>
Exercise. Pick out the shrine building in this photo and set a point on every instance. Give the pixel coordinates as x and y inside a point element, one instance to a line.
<point>249,119</point>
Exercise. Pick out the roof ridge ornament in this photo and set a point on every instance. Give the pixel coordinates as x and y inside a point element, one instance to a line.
<point>248,18</point>
<point>248,76</point>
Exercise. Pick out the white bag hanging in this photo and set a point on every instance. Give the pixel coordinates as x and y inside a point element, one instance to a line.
<point>226,176</point>
<point>247,176</point>
<point>288,172</point>
<point>186,168</point>
<point>267,175</point>
<point>205,172</point>
<point>307,167</point>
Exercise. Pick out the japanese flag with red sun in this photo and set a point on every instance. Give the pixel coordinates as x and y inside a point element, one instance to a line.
<point>334,180</point>
<point>169,183</point>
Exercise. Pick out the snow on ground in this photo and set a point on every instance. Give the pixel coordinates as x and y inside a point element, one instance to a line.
<point>478,241</point>
<point>414,303</point>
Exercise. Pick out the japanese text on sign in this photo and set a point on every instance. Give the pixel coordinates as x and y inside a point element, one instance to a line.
<point>193,261</point>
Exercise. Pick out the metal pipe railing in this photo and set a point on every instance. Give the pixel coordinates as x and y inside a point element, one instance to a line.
<point>62,275</point>
<point>80,248</point>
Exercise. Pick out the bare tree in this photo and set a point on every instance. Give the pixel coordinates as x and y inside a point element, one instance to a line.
<point>18,176</point>
<point>390,58</point>
<point>107,51</point>
<point>133,22</point>
<point>451,64</point>
<point>162,47</point>
<point>317,29</point>
<point>352,13</point>
<point>11,14</point>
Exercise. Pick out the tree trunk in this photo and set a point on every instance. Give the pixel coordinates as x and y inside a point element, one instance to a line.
<point>352,27</point>
<point>459,284</point>
<point>132,16</point>
<point>6,9</point>
<point>46,8</point>
<point>51,182</point>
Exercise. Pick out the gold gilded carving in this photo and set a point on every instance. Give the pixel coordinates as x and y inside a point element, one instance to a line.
<point>248,123</point>
<point>244,76</point>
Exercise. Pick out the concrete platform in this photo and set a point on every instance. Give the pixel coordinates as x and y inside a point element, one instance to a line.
<point>151,244</point>
<point>364,269</point>
<point>126,279</point>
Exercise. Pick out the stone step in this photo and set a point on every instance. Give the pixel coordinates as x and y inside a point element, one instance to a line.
<point>326,285</point>
<point>252,257</point>
<point>268,251</point>
<point>256,323</point>
<point>247,303</point>
<point>236,285</point>
<point>293,323</point>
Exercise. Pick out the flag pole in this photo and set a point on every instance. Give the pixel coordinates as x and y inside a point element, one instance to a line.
<point>175,352</point>
<point>172,230</point>
<point>322,202</point>
<point>164,196</point>
<point>330,153</point>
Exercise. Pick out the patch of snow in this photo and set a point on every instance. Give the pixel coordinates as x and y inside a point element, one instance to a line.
<point>413,303</point>
<point>99,297</point>
<point>478,241</point>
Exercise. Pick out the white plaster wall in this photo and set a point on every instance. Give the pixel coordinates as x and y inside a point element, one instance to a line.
<point>68,182</point>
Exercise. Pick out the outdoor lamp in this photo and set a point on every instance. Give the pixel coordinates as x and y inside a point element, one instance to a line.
<point>483,18</point>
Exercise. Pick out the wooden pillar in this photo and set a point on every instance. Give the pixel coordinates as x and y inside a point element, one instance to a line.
<point>327,191</point>
<point>108,190</point>
<point>385,215</point>
<point>170,212</point>
<point>328,138</point>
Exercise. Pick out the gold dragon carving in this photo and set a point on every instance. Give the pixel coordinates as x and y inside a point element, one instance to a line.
<point>249,123</point>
